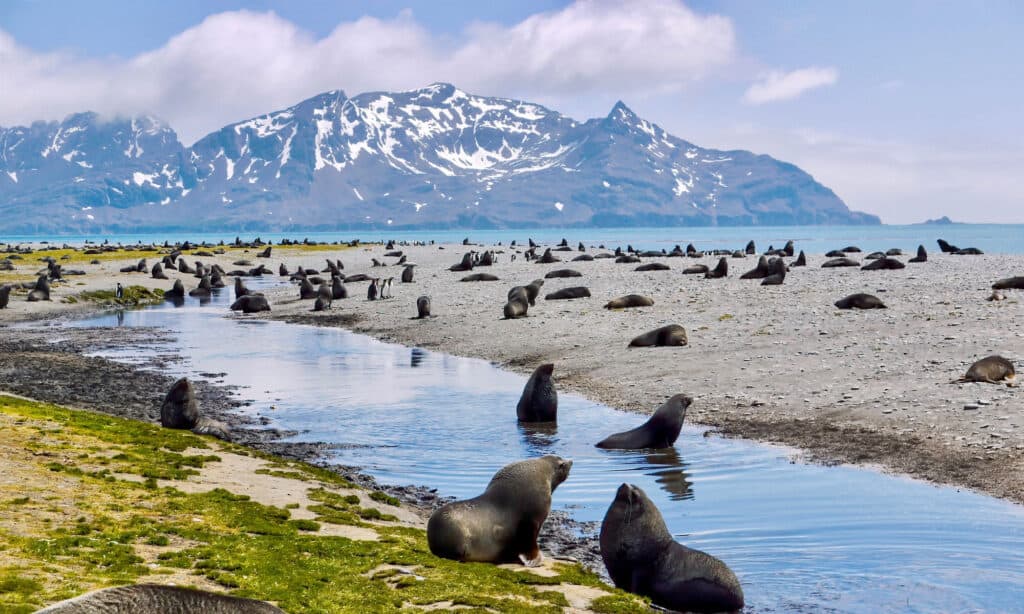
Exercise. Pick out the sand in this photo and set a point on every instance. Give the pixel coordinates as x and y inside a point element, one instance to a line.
<point>777,364</point>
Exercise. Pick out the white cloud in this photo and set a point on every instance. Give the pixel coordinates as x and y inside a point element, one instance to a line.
<point>239,64</point>
<point>776,85</point>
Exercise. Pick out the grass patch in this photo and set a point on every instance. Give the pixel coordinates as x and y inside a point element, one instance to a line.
<point>133,296</point>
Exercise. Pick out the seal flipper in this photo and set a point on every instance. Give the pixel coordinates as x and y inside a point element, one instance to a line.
<point>207,426</point>
<point>696,595</point>
<point>533,558</point>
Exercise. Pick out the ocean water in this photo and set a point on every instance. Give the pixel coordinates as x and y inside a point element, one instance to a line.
<point>991,238</point>
<point>800,537</point>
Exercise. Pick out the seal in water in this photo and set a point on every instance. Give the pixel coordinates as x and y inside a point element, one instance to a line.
<point>240,289</point>
<point>630,300</point>
<point>860,301</point>
<point>177,293</point>
<point>480,277</point>
<point>502,524</point>
<point>539,401</point>
<point>673,334</point>
<point>423,307</point>
<point>251,303</point>
<point>1010,283</point>
<point>41,291</point>
<point>158,599</point>
<point>990,370</point>
<point>719,271</point>
<point>652,266</point>
<point>568,293</point>
<point>204,289</point>
<point>180,410</point>
<point>518,303</point>
<point>5,296</point>
<point>660,431</point>
<point>642,557</point>
<point>557,273</point>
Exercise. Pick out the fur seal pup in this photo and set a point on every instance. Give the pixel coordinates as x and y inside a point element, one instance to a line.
<point>204,289</point>
<point>5,296</point>
<point>180,410</point>
<point>642,557</point>
<point>672,334</point>
<point>884,263</point>
<point>158,599</point>
<point>518,303</point>
<point>480,277</point>
<point>559,273</point>
<point>338,289</point>
<point>1010,283</point>
<point>158,271</point>
<point>539,401</point>
<point>922,255</point>
<point>251,303</point>
<point>652,266</point>
<point>720,271</point>
<point>839,262</point>
<point>306,290</point>
<point>41,291</point>
<point>324,295</point>
<point>423,307</point>
<point>568,293</point>
<point>407,274</point>
<point>502,524</point>
<point>660,431</point>
<point>758,272</point>
<point>990,370</point>
<point>630,300</point>
<point>860,301</point>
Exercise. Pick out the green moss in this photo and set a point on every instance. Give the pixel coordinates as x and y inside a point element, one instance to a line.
<point>132,296</point>
<point>619,604</point>
<point>13,583</point>
<point>385,498</point>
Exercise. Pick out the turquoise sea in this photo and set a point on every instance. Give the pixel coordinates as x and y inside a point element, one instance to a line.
<point>991,238</point>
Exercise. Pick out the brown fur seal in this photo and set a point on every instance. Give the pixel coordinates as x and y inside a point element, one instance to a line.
<point>860,301</point>
<point>990,370</point>
<point>518,303</point>
<point>204,289</point>
<point>176,293</point>
<point>922,255</point>
<point>568,293</point>
<point>548,257</point>
<point>630,300</point>
<point>423,307</point>
<point>696,269</point>
<point>1010,283</point>
<point>539,401</point>
<point>158,272</point>
<point>307,291</point>
<point>251,303</point>
<point>627,260</point>
<point>557,273</point>
<point>5,296</point>
<point>583,258</point>
<point>480,277</point>
<point>407,274</point>
<point>720,271</point>
<point>465,265</point>
<point>41,292</point>
<point>502,524</point>
<point>158,599</point>
<point>338,289</point>
<point>240,289</point>
<point>758,272</point>
<point>801,260</point>
<point>673,334</point>
<point>642,557</point>
<point>885,263</point>
<point>776,273</point>
<point>532,290</point>
<point>660,431</point>
<point>180,410</point>
<point>652,266</point>
<point>839,262</point>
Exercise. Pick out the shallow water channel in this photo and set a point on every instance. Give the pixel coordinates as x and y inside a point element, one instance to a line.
<point>800,537</point>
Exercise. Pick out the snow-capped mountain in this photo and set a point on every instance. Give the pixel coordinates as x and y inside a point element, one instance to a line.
<point>435,157</point>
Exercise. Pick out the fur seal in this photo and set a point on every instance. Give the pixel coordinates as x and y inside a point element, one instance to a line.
<point>518,303</point>
<point>158,272</point>
<point>240,289</point>
<point>583,258</point>
<point>720,271</point>
<point>558,273</point>
<point>423,307</point>
<point>407,274</point>
<point>338,289</point>
<point>696,269</point>
<point>480,277</point>
<point>465,265</point>
<point>860,301</point>
<point>751,248</point>
<point>204,289</point>
<point>324,295</point>
<point>251,303</point>
<point>660,431</point>
<point>176,293</point>
<point>283,270</point>
<point>758,272</point>
<point>990,370</point>
<point>548,257</point>
<point>158,599</point>
<point>41,292</point>
<point>539,401</point>
<point>630,300</point>
<point>922,255</point>
<point>5,296</point>
<point>652,266</point>
<point>642,557</point>
<point>884,263</point>
<point>568,293</point>
<point>776,272</point>
<point>946,248</point>
<point>968,251</point>
<point>836,253</point>
<point>839,262</point>
<point>1010,283</point>
<point>801,260</point>
<point>502,524</point>
<point>627,260</point>
<point>672,334</point>
<point>532,290</point>
<point>306,290</point>
<point>180,410</point>
<point>357,277</point>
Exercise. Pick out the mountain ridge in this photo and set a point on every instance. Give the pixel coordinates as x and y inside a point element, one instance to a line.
<point>430,158</point>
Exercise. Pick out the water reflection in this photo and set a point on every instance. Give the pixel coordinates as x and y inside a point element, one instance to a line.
<point>538,437</point>
<point>416,357</point>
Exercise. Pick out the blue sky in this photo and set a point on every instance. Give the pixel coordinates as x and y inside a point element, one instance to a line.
<point>908,110</point>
